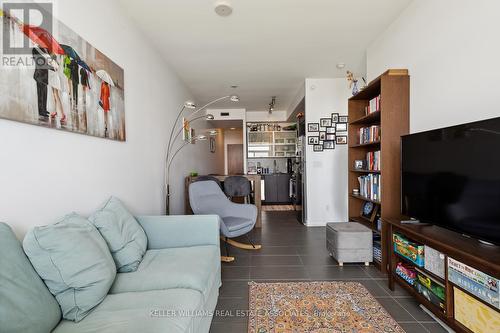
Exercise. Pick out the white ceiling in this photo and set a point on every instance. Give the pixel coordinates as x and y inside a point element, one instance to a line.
<point>266,47</point>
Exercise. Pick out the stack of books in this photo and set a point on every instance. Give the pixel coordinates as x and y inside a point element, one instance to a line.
<point>373,160</point>
<point>369,134</point>
<point>369,186</point>
<point>373,105</point>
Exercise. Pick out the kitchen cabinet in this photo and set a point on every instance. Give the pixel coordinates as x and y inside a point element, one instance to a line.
<point>266,143</point>
<point>277,188</point>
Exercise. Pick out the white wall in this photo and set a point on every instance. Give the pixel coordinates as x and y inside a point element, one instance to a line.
<point>45,173</point>
<point>299,96</point>
<point>263,116</point>
<point>326,172</point>
<point>452,51</point>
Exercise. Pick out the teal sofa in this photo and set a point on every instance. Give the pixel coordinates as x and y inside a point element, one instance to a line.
<point>174,289</point>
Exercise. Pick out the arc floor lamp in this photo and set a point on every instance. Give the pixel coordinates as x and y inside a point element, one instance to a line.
<point>174,136</point>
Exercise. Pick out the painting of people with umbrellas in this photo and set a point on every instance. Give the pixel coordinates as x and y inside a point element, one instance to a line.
<point>69,84</point>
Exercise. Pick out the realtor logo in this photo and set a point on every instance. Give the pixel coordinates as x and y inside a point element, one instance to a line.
<point>25,24</point>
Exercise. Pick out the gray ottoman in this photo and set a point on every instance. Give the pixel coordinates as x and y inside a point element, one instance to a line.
<point>349,242</point>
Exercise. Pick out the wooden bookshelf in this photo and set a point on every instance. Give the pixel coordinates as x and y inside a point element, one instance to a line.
<point>393,118</point>
<point>362,198</point>
<point>365,171</point>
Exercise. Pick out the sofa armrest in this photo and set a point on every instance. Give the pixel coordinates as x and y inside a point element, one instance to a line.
<point>180,230</point>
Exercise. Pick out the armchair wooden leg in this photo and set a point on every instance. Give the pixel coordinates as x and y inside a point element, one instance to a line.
<point>226,259</point>
<point>241,245</point>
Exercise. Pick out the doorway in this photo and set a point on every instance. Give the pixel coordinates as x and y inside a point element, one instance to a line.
<point>235,159</point>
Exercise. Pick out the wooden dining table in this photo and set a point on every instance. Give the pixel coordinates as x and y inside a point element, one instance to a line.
<point>256,185</point>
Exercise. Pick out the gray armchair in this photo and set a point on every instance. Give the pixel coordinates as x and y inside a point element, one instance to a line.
<point>206,197</point>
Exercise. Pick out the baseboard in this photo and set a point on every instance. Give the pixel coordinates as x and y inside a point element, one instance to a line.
<point>315,224</point>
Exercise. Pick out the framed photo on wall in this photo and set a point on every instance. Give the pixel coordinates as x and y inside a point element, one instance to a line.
<point>313,140</point>
<point>341,127</point>
<point>330,130</point>
<point>313,127</point>
<point>329,144</point>
<point>341,139</point>
<point>343,119</point>
<point>322,135</point>
<point>317,148</point>
<point>325,122</point>
<point>212,144</point>
<point>335,117</point>
<point>330,137</point>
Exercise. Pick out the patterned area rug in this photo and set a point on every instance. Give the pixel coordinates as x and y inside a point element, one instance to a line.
<point>316,307</point>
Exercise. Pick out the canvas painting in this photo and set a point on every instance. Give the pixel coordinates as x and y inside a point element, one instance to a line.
<point>61,82</point>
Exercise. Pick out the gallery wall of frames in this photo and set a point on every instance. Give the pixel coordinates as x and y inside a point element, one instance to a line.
<point>328,132</point>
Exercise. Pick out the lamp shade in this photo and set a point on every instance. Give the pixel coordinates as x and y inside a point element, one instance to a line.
<point>200,138</point>
<point>190,105</point>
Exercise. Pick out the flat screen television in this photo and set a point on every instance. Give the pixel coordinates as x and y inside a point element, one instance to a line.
<point>451,178</point>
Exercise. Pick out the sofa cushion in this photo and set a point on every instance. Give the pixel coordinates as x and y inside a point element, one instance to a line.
<point>123,234</point>
<point>26,305</point>
<point>158,311</point>
<point>196,267</point>
<point>74,261</point>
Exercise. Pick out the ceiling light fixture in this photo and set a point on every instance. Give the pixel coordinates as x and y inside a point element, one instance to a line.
<point>223,8</point>
<point>340,65</point>
<point>271,105</point>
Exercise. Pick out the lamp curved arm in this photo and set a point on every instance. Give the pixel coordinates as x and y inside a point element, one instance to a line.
<point>209,103</point>
<point>169,146</point>
<point>169,162</point>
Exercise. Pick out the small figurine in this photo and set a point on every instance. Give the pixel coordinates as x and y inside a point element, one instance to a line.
<point>353,82</point>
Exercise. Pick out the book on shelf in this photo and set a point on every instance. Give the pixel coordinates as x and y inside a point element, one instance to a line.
<point>369,186</point>
<point>373,106</point>
<point>373,160</point>
<point>369,134</point>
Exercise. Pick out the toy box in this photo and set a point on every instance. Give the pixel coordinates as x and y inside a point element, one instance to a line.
<point>474,315</point>
<point>434,261</point>
<point>406,272</point>
<point>474,281</point>
<point>410,250</point>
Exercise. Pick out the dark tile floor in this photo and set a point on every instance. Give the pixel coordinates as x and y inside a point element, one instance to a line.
<point>293,252</point>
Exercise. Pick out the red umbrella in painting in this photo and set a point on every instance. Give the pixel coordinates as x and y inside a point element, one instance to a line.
<point>43,38</point>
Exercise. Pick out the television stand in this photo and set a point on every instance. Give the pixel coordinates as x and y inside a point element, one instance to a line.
<point>474,253</point>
